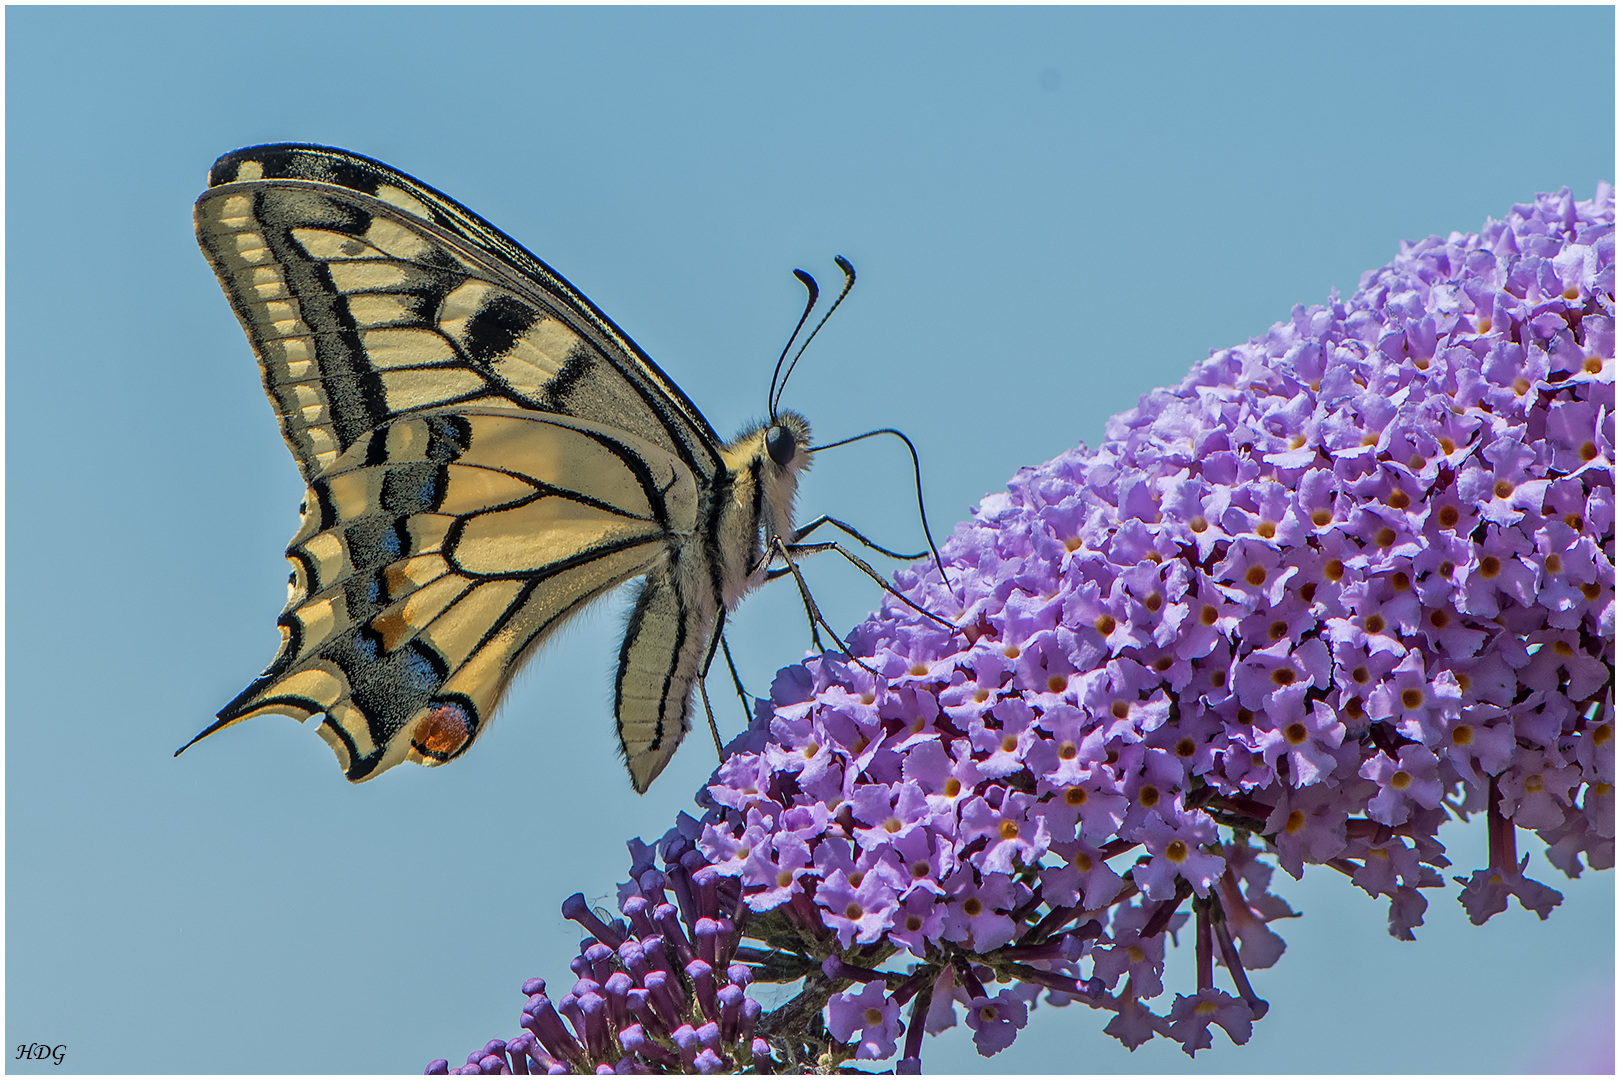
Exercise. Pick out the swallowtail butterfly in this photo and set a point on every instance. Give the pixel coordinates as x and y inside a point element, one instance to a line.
<point>486,453</point>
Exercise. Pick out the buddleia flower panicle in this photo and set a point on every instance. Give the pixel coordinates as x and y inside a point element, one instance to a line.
<point>1347,581</point>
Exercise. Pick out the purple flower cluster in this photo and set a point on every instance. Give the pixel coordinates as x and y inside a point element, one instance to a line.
<point>1347,581</point>
<point>660,989</point>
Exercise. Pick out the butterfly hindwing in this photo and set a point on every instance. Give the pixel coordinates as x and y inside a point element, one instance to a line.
<point>437,551</point>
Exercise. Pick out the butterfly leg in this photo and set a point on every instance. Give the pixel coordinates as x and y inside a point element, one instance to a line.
<point>708,710</point>
<point>736,681</point>
<point>805,530</point>
<point>786,551</point>
<point>864,567</point>
<point>703,680</point>
<point>811,612</point>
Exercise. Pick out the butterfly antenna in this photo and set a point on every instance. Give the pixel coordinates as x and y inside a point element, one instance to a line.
<point>849,283</point>
<point>810,287</point>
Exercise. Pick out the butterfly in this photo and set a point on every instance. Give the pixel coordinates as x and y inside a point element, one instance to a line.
<point>486,453</point>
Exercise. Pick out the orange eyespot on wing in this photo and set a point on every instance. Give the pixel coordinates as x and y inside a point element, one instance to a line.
<point>443,732</point>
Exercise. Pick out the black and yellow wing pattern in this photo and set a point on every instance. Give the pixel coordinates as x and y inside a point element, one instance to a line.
<point>485,452</point>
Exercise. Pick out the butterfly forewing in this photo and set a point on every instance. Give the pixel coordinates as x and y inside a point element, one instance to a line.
<point>486,454</point>
<point>362,307</point>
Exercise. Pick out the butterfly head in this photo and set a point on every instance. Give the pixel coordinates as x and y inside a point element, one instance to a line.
<point>782,447</point>
<point>787,454</point>
<point>787,442</point>
<point>772,455</point>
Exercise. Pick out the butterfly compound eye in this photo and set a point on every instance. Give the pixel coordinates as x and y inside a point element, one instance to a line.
<point>780,445</point>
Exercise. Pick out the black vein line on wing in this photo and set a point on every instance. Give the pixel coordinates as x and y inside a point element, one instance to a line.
<point>551,569</point>
<point>630,459</point>
<point>419,630</point>
<point>557,386</point>
<point>543,490</point>
<point>519,602</point>
<point>494,385</point>
<point>389,258</point>
<point>636,465</point>
<point>498,384</point>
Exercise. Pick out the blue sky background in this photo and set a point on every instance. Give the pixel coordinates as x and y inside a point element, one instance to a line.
<point>1052,212</point>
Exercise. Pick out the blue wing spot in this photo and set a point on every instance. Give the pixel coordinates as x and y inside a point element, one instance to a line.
<point>421,671</point>
<point>365,649</point>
